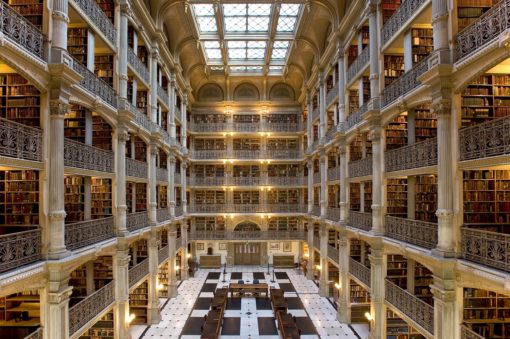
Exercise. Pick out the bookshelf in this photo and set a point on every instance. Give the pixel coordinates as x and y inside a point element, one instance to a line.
<point>19,101</point>
<point>354,196</point>
<point>487,199</point>
<point>101,198</point>
<point>141,101</point>
<point>101,133</point>
<point>422,280</point>
<point>74,198</point>
<point>74,123</point>
<point>388,8</point>
<point>32,10</point>
<point>249,144</point>
<point>356,148</point>
<point>163,280</point>
<point>143,55</point>
<point>352,53</point>
<point>426,198</point>
<point>422,43</point>
<point>77,41</point>
<point>393,68</point>
<point>19,201</point>
<point>204,197</point>
<point>141,197</point>
<point>138,303</point>
<point>360,302</point>
<point>355,252</point>
<point>162,197</point>
<point>470,10</point>
<point>486,98</point>
<point>283,196</point>
<point>397,270</point>
<point>246,197</point>
<point>140,149</point>
<point>425,123</point>
<point>130,89</point>
<point>487,313</point>
<point>78,281</point>
<point>129,196</point>
<point>103,67</point>
<point>102,329</point>
<point>108,7</point>
<point>397,328</point>
<point>367,196</point>
<point>366,88</point>
<point>396,132</point>
<point>353,101</point>
<point>103,271</point>
<point>209,118</point>
<point>20,314</point>
<point>396,192</point>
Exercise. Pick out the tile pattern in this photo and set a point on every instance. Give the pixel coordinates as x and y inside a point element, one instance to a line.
<point>248,317</point>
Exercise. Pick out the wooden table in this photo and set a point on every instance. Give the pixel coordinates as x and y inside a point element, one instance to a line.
<point>219,302</point>
<point>211,327</point>
<point>251,289</point>
<point>287,326</point>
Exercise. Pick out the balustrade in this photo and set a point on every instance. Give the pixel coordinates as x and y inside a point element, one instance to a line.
<point>316,210</point>
<point>247,126</point>
<point>20,141</point>
<point>358,64</point>
<point>163,254</point>
<point>21,31</point>
<point>334,173</point>
<point>283,154</point>
<point>488,139</point>
<point>286,181</point>
<point>136,221</point>
<point>416,232</point>
<point>487,28</point>
<point>413,307</point>
<point>333,254</point>
<point>360,220</point>
<point>486,248</point>
<point>333,213</point>
<point>209,154</point>
<point>207,181</point>
<point>161,174</point>
<point>141,119</point>
<point>179,211</point>
<point>90,307</point>
<point>405,83</point>
<point>37,334</point>
<point>247,154</point>
<point>283,208</point>
<point>317,177</point>
<point>400,18</point>
<point>467,333</point>
<point>355,118</point>
<point>210,127</point>
<point>421,154</point>
<point>95,85</point>
<point>136,168</point>
<point>137,272</point>
<point>330,134</point>
<point>163,95</point>
<point>283,127</point>
<point>80,155</point>
<point>138,66</point>
<point>162,214</point>
<point>92,10</point>
<point>88,232</point>
<point>244,181</point>
<point>18,249</point>
<point>178,114</point>
<point>259,235</point>
<point>332,94</point>
<point>177,178</point>
<point>360,271</point>
<point>360,168</point>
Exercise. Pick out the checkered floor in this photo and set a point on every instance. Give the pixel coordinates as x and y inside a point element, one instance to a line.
<point>247,317</point>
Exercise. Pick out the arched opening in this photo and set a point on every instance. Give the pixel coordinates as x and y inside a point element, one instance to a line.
<point>246,226</point>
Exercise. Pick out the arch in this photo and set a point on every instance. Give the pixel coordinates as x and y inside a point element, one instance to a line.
<point>281,91</point>
<point>246,92</point>
<point>210,93</point>
<point>247,226</point>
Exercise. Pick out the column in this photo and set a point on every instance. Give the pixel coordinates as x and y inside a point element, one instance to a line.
<point>184,107</point>
<point>171,91</point>
<point>170,188</point>
<point>309,165</point>
<point>446,303</point>
<point>153,153</point>
<point>322,106</point>
<point>323,281</point>
<point>309,118</point>
<point>373,48</point>
<point>121,285</point>
<point>324,184</point>
<point>377,278</point>
<point>408,51</point>
<point>344,294</point>
<point>120,180</point>
<point>153,314</point>
<point>55,301</point>
<point>344,207</point>
<point>341,87</point>
<point>311,251</point>
<point>377,180</point>
<point>154,85</point>
<point>446,170</point>
<point>123,46</point>
<point>172,277</point>
<point>440,30</point>
<point>184,166</point>
<point>184,264</point>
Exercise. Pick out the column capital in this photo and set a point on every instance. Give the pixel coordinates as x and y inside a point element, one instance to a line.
<point>125,8</point>
<point>375,134</point>
<point>442,106</point>
<point>153,149</point>
<point>58,108</point>
<point>122,134</point>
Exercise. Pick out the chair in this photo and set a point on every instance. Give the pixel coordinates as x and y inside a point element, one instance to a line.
<point>255,281</point>
<point>240,282</point>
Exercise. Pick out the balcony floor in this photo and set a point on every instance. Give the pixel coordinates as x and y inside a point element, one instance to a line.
<point>181,316</point>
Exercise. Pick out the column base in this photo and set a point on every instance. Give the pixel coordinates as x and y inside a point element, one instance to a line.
<point>172,289</point>
<point>343,314</point>
<point>184,274</point>
<point>153,315</point>
<point>438,252</point>
<point>323,288</point>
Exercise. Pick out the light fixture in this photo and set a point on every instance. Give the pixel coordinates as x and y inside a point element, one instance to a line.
<point>188,255</point>
<point>368,316</point>
<point>159,286</point>
<point>337,285</point>
<point>131,317</point>
<point>306,255</point>
<point>319,267</point>
<point>177,267</point>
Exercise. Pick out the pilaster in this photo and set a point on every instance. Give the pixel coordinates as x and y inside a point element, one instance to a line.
<point>153,313</point>
<point>447,304</point>
<point>184,166</point>
<point>172,277</point>
<point>377,278</point>
<point>153,153</point>
<point>323,281</point>
<point>170,160</point>
<point>55,299</point>
<point>311,251</point>
<point>377,180</point>
<point>324,184</point>
<point>344,207</point>
<point>309,166</point>
<point>121,283</point>
<point>184,263</point>
<point>344,293</point>
<point>120,184</point>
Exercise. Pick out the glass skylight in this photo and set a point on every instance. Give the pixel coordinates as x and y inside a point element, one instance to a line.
<point>242,33</point>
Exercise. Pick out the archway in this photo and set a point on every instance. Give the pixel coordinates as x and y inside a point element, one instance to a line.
<point>248,252</point>
<point>246,226</point>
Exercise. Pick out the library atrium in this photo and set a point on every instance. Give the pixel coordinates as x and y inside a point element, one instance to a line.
<point>255,169</point>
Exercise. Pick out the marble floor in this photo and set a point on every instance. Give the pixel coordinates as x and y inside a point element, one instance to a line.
<point>181,317</point>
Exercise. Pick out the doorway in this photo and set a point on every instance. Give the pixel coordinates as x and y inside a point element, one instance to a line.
<point>247,253</point>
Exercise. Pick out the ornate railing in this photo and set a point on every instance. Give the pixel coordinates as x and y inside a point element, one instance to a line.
<point>405,83</point>
<point>485,140</point>
<point>360,168</point>
<point>358,64</point>
<point>315,113</point>
<point>244,181</point>
<point>467,333</point>
<point>360,271</point>
<point>334,173</point>
<point>247,126</point>
<point>20,141</point>
<point>317,242</point>
<point>99,18</point>
<point>177,178</point>
<point>207,181</point>
<point>259,235</point>
<point>209,127</point>
<point>209,154</point>
<point>136,168</point>
<point>416,309</point>
<point>164,134</point>
<point>178,113</point>
<point>401,16</point>
<point>282,154</point>
<point>360,220</point>
<point>80,155</point>
<point>208,208</point>
<point>416,232</point>
<point>95,85</point>
<point>141,119</point>
<point>163,254</point>
<point>284,208</point>
<point>138,66</point>
<point>286,181</point>
<point>137,272</point>
<point>37,334</point>
<point>163,95</point>
<point>317,177</point>
<point>282,127</point>
<point>87,309</point>
<point>89,232</point>
<point>162,214</point>
<point>136,221</point>
<point>161,174</point>
<point>332,94</point>
<point>316,210</point>
<point>484,30</point>
<point>18,249</point>
<point>333,254</point>
<point>330,134</point>
<point>486,248</point>
<point>421,154</point>
<point>333,213</point>
<point>355,118</point>
<point>247,154</point>
<point>179,211</point>
<point>22,31</point>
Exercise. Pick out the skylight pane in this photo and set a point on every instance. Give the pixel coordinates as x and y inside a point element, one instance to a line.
<point>207,24</point>
<point>281,44</point>
<point>204,9</point>
<point>235,24</point>
<point>278,54</point>
<point>258,24</point>
<point>255,53</point>
<point>286,24</point>
<point>236,44</point>
<point>256,44</point>
<point>236,53</point>
<point>259,9</point>
<point>213,53</point>
<point>275,69</point>
<point>234,9</point>
<point>211,44</point>
<point>290,9</point>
